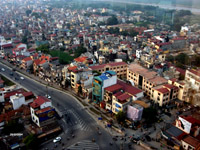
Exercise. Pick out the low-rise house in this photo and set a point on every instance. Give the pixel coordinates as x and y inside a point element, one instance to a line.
<point>134,112</point>
<point>39,105</point>
<point>27,63</point>
<point>165,94</point>
<point>18,100</point>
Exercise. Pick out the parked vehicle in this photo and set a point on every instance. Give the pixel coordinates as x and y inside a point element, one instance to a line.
<point>57,139</point>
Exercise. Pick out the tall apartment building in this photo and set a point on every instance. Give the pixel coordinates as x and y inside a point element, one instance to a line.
<point>100,82</point>
<point>119,67</point>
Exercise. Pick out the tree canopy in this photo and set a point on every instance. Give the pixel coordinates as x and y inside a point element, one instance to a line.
<point>121,116</point>
<point>112,20</point>
<point>149,114</point>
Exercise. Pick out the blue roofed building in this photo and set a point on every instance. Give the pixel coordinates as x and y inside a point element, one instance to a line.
<point>100,82</point>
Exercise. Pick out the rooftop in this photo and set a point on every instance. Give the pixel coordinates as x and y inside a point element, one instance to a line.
<point>39,101</point>
<point>113,88</point>
<point>192,141</point>
<point>109,64</point>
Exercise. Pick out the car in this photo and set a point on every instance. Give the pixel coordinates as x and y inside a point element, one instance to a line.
<point>11,73</point>
<point>22,78</point>
<point>57,139</point>
<point>2,69</point>
<point>48,96</point>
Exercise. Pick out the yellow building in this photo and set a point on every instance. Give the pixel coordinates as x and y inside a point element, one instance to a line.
<point>120,102</point>
<point>119,67</point>
<point>143,78</point>
<point>164,94</point>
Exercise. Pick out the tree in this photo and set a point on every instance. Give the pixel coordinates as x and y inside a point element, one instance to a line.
<point>31,141</point>
<point>112,20</point>
<point>13,126</point>
<point>80,90</point>
<point>182,58</point>
<point>43,48</point>
<point>79,51</point>
<point>96,73</point>
<point>121,116</point>
<point>28,12</point>
<point>149,114</point>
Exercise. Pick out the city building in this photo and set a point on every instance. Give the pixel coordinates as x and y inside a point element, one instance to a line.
<point>100,82</point>
<point>119,67</point>
<point>40,103</point>
<point>164,94</point>
<point>193,76</point>
<point>134,112</point>
<point>144,78</point>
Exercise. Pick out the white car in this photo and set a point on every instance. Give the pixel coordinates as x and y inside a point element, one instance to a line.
<point>57,139</point>
<point>2,69</point>
<point>48,96</point>
<point>22,78</point>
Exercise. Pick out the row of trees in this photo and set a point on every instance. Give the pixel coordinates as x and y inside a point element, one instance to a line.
<point>183,60</point>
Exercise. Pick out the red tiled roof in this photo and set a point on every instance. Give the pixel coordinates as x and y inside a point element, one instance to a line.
<point>80,59</point>
<point>113,88</point>
<point>36,61</point>
<point>72,68</point>
<point>163,90</point>
<point>18,91</point>
<point>27,59</point>
<point>43,110</point>
<point>39,101</point>
<point>128,88</point>
<point>7,45</point>
<point>191,120</point>
<point>192,141</point>
<point>117,94</point>
<point>42,62</point>
<point>25,94</point>
<point>196,72</point>
<point>123,97</point>
<point>111,64</point>
<point>170,86</point>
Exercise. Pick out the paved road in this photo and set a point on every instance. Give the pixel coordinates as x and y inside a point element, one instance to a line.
<point>75,118</point>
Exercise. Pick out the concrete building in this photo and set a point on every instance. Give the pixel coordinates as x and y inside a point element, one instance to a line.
<point>38,104</point>
<point>119,67</point>
<point>134,112</point>
<point>81,75</point>
<point>193,76</point>
<point>100,82</point>
<point>144,78</point>
<point>164,94</point>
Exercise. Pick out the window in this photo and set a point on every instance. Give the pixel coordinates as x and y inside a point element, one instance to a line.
<point>107,69</point>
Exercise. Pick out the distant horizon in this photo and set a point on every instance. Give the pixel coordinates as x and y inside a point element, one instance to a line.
<point>192,5</point>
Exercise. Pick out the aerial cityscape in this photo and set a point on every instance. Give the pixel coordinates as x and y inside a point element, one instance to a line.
<point>100,75</point>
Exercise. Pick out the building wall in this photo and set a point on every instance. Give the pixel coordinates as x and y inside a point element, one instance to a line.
<point>193,79</point>
<point>46,104</point>
<point>159,98</point>
<point>123,106</point>
<point>186,146</point>
<point>2,96</point>
<point>17,101</point>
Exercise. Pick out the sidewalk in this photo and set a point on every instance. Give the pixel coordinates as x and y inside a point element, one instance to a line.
<point>83,102</point>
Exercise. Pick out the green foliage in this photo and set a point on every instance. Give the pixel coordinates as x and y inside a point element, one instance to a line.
<point>13,127</point>
<point>170,58</point>
<point>36,15</point>
<point>96,73</point>
<point>7,81</point>
<point>182,58</point>
<point>113,30</point>
<point>80,89</point>
<point>28,12</point>
<point>79,51</point>
<point>31,142</point>
<point>112,20</point>
<point>43,48</point>
<point>196,60</point>
<point>64,58</point>
<point>149,114</point>
<point>121,116</point>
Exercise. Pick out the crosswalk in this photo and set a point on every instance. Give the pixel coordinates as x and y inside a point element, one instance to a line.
<point>74,121</point>
<point>84,145</point>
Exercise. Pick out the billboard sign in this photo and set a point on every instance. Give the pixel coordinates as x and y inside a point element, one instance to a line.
<point>183,124</point>
<point>47,115</point>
